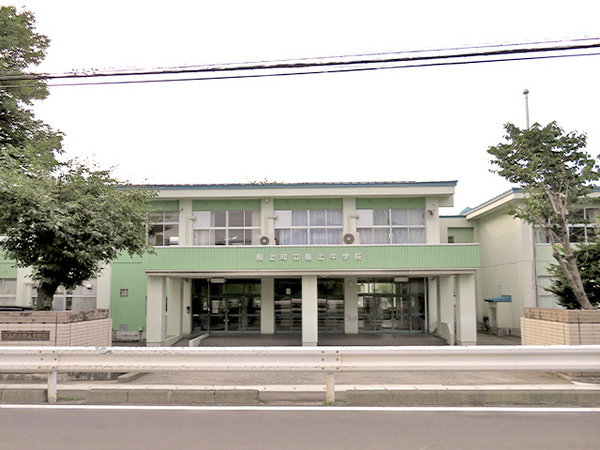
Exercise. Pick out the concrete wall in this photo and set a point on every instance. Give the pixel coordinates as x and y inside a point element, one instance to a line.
<point>506,268</point>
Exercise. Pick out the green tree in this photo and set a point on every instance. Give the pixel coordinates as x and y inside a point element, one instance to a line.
<point>68,225</point>
<point>22,137</point>
<point>556,175</point>
<point>588,261</point>
<point>64,220</point>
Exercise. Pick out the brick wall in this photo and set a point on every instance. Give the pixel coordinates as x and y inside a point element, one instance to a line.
<point>548,332</point>
<point>55,329</point>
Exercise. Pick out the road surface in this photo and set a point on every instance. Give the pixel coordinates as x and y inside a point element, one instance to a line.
<point>86,427</point>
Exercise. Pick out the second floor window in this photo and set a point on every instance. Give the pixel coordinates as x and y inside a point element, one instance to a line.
<point>309,227</point>
<point>227,227</point>
<point>391,226</point>
<point>583,227</point>
<point>163,229</point>
<point>583,224</point>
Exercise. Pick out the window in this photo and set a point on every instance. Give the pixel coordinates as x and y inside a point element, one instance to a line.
<point>583,223</point>
<point>8,291</point>
<point>163,229</point>
<point>226,227</point>
<point>309,227</point>
<point>123,293</point>
<point>391,226</point>
<point>80,298</point>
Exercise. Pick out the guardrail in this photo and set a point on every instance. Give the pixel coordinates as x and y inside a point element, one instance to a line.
<point>328,360</point>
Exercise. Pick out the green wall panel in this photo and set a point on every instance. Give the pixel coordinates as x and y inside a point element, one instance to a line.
<point>383,203</point>
<point>226,205</point>
<point>8,269</point>
<point>308,203</point>
<point>462,235</point>
<point>165,205</point>
<point>127,273</point>
<point>320,258</point>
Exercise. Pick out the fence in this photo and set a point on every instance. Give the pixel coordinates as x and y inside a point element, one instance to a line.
<point>328,360</point>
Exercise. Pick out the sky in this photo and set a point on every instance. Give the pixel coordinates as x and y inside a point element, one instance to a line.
<point>410,124</point>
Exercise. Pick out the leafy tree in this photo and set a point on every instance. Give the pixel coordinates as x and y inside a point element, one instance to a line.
<point>22,137</point>
<point>588,261</point>
<point>68,225</point>
<point>556,175</point>
<point>64,220</point>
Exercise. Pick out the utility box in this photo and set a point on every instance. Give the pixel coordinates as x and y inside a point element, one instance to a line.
<point>493,302</point>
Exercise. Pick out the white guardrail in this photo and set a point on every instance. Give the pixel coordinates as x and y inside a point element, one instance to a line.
<point>328,360</point>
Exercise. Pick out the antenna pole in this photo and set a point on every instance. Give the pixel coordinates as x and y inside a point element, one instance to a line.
<point>526,94</point>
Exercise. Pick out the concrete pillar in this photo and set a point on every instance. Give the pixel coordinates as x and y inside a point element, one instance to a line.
<point>24,286</point>
<point>267,306</point>
<point>349,214</point>
<point>466,311</point>
<point>432,304</point>
<point>186,294</point>
<point>156,303</point>
<point>432,220</point>
<point>310,311</point>
<point>186,221</point>
<point>446,308</point>
<point>350,306</point>
<point>174,307</point>
<point>103,288</point>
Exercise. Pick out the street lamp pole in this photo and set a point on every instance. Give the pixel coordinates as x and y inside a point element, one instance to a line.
<point>526,94</point>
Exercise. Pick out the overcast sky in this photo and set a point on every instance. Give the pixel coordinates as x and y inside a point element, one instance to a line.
<point>416,124</point>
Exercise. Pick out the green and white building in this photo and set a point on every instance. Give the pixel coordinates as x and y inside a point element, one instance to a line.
<point>315,258</point>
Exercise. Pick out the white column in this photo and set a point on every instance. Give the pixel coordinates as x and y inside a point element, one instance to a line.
<point>103,288</point>
<point>186,218</point>
<point>350,306</point>
<point>156,303</point>
<point>186,293</point>
<point>267,306</point>
<point>310,311</point>
<point>466,312</point>
<point>432,220</point>
<point>24,286</point>
<point>432,304</point>
<point>446,308</point>
<point>174,307</point>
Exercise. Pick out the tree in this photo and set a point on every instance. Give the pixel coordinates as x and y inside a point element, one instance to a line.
<point>67,226</point>
<point>22,137</point>
<point>588,261</point>
<point>556,175</point>
<point>63,219</point>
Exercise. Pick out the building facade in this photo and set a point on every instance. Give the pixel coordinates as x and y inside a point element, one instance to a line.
<point>515,257</point>
<point>302,258</point>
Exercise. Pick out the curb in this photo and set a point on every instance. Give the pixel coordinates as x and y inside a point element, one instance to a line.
<point>582,396</point>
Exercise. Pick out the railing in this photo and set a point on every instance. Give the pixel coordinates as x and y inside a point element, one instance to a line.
<point>328,360</point>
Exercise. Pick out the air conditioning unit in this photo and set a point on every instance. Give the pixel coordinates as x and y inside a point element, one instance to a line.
<point>351,238</point>
<point>266,239</point>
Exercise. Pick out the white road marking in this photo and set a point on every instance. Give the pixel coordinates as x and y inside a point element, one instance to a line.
<point>307,408</point>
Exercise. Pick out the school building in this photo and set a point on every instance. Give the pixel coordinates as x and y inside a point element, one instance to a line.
<point>315,258</point>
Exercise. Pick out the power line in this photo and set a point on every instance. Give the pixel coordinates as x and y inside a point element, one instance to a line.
<point>325,65</point>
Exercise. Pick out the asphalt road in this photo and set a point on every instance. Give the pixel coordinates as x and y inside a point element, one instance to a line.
<point>266,428</point>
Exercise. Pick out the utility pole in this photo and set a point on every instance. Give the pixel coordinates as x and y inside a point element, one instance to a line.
<point>526,94</point>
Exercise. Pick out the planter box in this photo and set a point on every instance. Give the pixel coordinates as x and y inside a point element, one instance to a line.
<point>542,326</point>
<point>56,328</point>
<point>560,327</point>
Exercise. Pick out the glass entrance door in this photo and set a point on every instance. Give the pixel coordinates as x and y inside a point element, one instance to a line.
<point>233,306</point>
<point>391,307</point>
